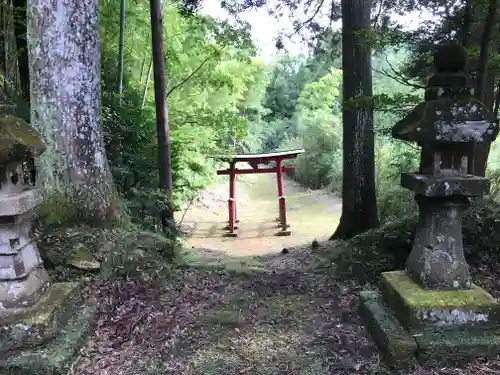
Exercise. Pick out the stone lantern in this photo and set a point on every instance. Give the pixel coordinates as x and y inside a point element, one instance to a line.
<point>446,127</point>
<point>36,316</point>
<point>23,278</point>
<point>432,309</point>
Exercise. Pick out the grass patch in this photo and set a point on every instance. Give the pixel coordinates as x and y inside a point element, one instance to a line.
<point>225,317</point>
<point>219,261</point>
<point>367,255</point>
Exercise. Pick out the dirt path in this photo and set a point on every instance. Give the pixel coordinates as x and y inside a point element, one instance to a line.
<point>311,214</point>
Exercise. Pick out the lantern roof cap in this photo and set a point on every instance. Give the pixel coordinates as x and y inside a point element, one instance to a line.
<point>17,139</point>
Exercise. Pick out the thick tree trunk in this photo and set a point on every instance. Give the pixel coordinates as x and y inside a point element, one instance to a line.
<point>64,56</point>
<point>3,38</point>
<point>466,24</point>
<point>359,205</point>
<point>484,55</point>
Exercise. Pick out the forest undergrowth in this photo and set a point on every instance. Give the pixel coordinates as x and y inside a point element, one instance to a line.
<point>294,313</point>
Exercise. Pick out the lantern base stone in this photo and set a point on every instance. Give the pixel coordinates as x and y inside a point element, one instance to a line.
<point>433,326</point>
<point>44,338</point>
<point>421,309</point>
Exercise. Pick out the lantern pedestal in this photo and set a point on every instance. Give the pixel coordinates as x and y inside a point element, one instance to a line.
<point>409,322</point>
<point>44,338</point>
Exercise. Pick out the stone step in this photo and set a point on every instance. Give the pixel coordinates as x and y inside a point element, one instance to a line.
<point>421,309</point>
<point>396,344</point>
<point>431,347</point>
<point>457,346</point>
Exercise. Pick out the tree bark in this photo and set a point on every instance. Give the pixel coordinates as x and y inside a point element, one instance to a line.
<point>485,49</point>
<point>359,205</point>
<point>485,82</point>
<point>3,38</point>
<point>466,24</point>
<point>164,158</point>
<point>64,57</point>
<point>22,46</point>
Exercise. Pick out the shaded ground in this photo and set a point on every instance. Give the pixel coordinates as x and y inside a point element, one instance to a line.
<point>215,322</point>
<point>255,318</point>
<point>311,214</point>
<point>268,315</point>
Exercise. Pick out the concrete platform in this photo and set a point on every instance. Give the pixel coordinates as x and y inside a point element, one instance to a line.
<point>45,339</point>
<point>418,308</point>
<point>398,320</point>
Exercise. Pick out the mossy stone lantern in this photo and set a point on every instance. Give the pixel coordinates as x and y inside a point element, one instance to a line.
<point>23,278</point>
<point>432,310</point>
<point>36,315</point>
<point>446,126</point>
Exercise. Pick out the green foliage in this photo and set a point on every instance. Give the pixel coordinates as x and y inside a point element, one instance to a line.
<point>140,255</point>
<point>320,132</point>
<point>223,99</point>
<point>210,73</point>
<point>303,110</point>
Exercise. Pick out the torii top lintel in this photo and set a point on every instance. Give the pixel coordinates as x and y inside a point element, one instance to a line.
<point>262,158</point>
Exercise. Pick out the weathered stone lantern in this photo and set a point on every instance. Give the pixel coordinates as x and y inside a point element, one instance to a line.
<point>434,310</point>
<point>445,126</point>
<point>35,315</point>
<point>23,278</point>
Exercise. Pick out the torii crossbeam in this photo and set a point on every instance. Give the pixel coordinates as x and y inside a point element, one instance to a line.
<point>259,164</point>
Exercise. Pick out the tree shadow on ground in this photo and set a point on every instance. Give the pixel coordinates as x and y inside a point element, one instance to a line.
<point>210,323</point>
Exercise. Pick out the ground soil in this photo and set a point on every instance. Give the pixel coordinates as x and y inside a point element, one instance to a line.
<point>266,313</point>
<point>312,214</point>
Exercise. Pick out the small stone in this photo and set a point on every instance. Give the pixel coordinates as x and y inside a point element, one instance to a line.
<point>83,259</point>
<point>285,251</point>
<point>315,244</point>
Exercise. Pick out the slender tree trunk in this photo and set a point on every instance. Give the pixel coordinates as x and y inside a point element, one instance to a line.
<point>64,56</point>
<point>121,51</point>
<point>164,160</point>
<point>3,36</point>
<point>22,46</point>
<point>359,205</point>
<point>466,24</point>
<point>485,82</point>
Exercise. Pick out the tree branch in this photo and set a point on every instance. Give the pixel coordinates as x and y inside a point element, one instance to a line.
<point>396,76</point>
<point>194,72</point>
<point>315,13</point>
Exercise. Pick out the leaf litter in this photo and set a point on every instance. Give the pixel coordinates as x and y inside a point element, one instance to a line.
<point>284,321</point>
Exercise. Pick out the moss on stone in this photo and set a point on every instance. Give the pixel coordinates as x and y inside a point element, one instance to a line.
<point>36,324</point>
<point>415,296</point>
<point>43,312</point>
<point>396,344</point>
<point>457,345</point>
<point>16,132</point>
<point>56,357</point>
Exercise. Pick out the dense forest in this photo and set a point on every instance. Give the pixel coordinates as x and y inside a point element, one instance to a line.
<point>224,98</point>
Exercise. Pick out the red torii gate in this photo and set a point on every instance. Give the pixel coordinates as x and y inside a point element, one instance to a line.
<point>255,161</point>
